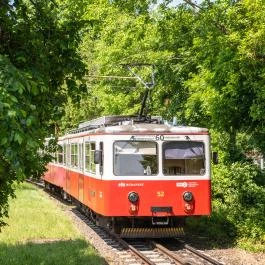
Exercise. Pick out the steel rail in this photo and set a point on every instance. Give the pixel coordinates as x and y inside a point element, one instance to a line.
<point>169,253</point>
<point>199,253</point>
<point>206,257</point>
<point>130,247</point>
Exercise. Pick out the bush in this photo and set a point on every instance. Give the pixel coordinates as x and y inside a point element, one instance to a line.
<point>238,205</point>
<point>216,227</point>
<point>237,188</point>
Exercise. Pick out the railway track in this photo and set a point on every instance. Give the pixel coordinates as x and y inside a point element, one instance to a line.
<point>183,253</point>
<point>144,251</point>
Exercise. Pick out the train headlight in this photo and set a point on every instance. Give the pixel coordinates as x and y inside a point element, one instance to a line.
<point>133,197</point>
<point>187,196</point>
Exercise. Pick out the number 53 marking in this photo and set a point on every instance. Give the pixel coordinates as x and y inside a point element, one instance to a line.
<point>160,194</point>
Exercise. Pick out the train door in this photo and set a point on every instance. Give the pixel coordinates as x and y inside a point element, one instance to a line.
<point>102,158</point>
<point>81,188</point>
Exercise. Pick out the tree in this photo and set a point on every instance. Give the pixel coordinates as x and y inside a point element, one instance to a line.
<point>226,90</point>
<point>123,36</point>
<point>39,64</point>
<point>209,64</point>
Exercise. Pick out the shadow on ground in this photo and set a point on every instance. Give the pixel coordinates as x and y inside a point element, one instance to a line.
<point>50,252</point>
<point>206,232</point>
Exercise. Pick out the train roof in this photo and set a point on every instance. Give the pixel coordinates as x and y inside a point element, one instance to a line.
<point>132,125</point>
<point>150,128</point>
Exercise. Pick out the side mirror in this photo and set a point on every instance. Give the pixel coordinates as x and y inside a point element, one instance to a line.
<point>98,157</point>
<point>215,157</point>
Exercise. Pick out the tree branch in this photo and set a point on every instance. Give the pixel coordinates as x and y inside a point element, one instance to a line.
<point>194,5</point>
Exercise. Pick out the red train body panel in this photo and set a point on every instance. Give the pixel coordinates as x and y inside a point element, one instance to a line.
<point>110,198</point>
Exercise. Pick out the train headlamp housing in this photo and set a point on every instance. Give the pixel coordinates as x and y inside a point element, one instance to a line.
<point>133,197</point>
<point>187,196</point>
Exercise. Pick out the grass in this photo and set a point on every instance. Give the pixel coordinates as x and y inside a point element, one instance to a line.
<point>39,233</point>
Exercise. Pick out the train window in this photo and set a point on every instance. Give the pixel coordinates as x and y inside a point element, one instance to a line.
<point>135,158</point>
<point>183,158</point>
<point>54,157</point>
<point>68,155</point>
<point>81,156</point>
<point>74,155</point>
<point>90,148</point>
<point>60,154</point>
<point>64,154</point>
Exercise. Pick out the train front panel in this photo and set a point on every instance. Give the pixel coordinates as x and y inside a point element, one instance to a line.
<point>155,175</point>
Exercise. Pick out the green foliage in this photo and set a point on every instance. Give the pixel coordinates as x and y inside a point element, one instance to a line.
<point>38,67</point>
<point>229,80</point>
<point>238,206</point>
<point>240,189</point>
<point>209,64</point>
<point>123,36</point>
<point>217,228</point>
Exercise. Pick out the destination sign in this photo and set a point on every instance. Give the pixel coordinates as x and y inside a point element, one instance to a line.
<point>159,137</point>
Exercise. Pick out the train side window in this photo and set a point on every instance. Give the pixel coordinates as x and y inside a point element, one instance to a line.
<point>183,158</point>
<point>64,154</point>
<point>87,156</point>
<point>68,155</point>
<point>90,166</point>
<point>60,154</point>
<point>81,156</point>
<point>54,158</point>
<point>74,155</point>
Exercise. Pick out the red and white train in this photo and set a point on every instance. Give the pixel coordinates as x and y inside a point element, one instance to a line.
<point>138,178</point>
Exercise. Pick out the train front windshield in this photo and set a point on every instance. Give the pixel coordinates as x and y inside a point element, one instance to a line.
<point>135,158</point>
<point>183,158</point>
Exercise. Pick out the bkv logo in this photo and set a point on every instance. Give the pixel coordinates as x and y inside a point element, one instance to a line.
<point>121,184</point>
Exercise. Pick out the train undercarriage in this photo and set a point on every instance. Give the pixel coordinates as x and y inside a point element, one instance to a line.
<point>128,227</point>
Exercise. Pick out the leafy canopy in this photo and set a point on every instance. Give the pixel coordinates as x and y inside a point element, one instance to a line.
<point>39,64</point>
